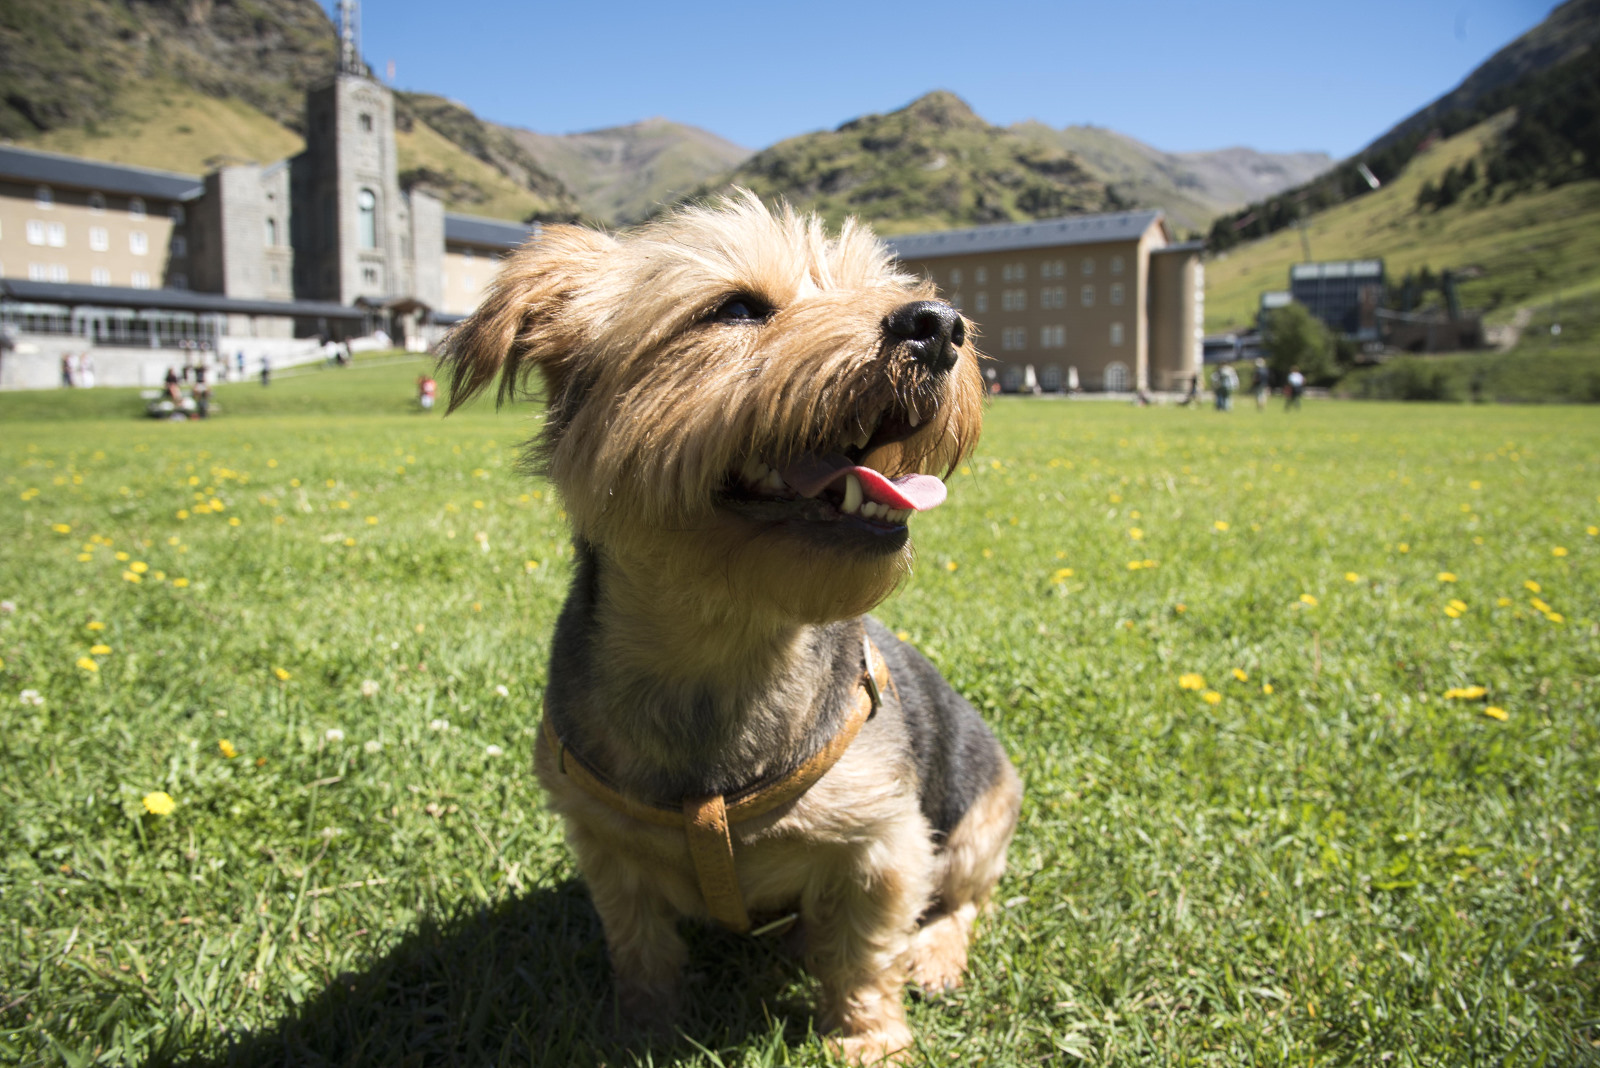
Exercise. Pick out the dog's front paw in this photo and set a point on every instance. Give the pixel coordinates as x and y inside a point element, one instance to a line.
<point>939,955</point>
<point>886,1045</point>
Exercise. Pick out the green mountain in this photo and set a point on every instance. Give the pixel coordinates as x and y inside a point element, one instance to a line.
<point>624,173</point>
<point>931,165</point>
<point>1191,187</point>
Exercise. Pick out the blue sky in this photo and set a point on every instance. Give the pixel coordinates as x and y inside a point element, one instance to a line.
<point>1282,76</point>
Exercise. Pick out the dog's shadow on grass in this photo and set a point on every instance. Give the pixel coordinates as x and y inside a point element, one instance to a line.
<point>525,983</point>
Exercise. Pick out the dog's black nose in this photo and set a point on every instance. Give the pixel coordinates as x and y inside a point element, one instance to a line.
<point>931,329</point>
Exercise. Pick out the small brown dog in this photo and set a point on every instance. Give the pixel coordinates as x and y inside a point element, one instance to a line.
<point>741,412</point>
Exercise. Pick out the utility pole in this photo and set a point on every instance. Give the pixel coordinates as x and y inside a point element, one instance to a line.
<point>350,39</point>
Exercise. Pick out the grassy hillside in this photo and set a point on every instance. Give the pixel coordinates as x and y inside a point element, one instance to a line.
<point>625,172</point>
<point>1191,187</point>
<point>464,182</point>
<point>1525,249</point>
<point>931,165</point>
<point>175,128</point>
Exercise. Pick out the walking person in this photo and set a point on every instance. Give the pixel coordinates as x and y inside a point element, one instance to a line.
<point>1223,383</point>
<point>66,370</point>
<point>1261,384</point>
<point>1295,388</point>
<point>266,370</point>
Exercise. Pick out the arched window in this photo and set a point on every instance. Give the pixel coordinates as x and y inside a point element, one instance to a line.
<point>1050,379</point>
<point>1117,377</point>
<point>367,206</point>
<point>136,207</point>
<point>272,232</point>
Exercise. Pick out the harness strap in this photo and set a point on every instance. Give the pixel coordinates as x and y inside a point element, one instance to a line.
<point>707,821</point>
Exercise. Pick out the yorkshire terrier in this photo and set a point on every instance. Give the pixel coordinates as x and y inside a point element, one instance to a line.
<point>743,414</point>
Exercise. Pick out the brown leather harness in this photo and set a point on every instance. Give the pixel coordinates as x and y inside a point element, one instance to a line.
<point>706,821</point>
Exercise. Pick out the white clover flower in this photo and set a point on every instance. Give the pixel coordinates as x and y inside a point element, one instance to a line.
<point>501,691</point>
<point>31,697</point>
<point>438,725</point>
<point>7,607</point>
<point>335,734</point>
<point>372,746</point>
<point>369,687</point>
<point>494,750</point>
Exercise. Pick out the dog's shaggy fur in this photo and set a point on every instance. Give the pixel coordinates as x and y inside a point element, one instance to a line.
<point>713,632</point>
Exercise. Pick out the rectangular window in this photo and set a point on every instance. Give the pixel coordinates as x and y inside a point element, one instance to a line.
<point>1116,264</point>
<point>58,272</point>
<point>141,280</point>
<point>1088,265</point>
<point>178,280</point>
<point>980,303</point>
<point>1088,296</point>
<point>955,301</point>
<point>955,278</point>
<point>1116,333</point>
<point>138,242</point>
<point>35,232</point>
<point>1014,300</point>
<point>43,197</point>
<point>1116,292</point>
<point>99,276</point>
<point>99,240</point>
<point>180,247</point>
<point>136,207</point>
<point>981,275</point>
<point>57,235</point>
<point>97,202</point>
<point>1053,297</point>
<point>175,213</point>
<point>38,272</point>
<point>1014,338</point>
<point>1014,272</point>
<point>1052,337</point>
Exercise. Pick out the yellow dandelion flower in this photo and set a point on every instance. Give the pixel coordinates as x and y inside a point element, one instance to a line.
<point>1496,712</point>
<point>1555,617</point>
<point>1180,608</point>
<point>1465,693</point>
<point>1211,697</point>
<point>1266,688</point>
<point>159,803</point>
<point>349,541</point>
<point>1559,550</point>
<point>1221,525</point>
<point>1135,533</point>
<point>1308,600</point>
<point>988,554</point>
<point>61,528</point>
<point>1532,586</point>
<point>1061,574</point>
<point>372,520</point>
<point>903,635</point>
<point>85,557</point>
<point>122,558</point>
<point>950,565</point>
<point>1134,565</point>
<point>1458,604</point>
<point>226,748</point>
<point>182,513</point>
<point>100,650</point>
<point>1403,547</point>
<point>1351,576</point>
<point>1452,611</point>
<point>283,676</point>
<point>1447,576</point>
<point>131,576</point>
<point>138,567</point>
<point>530,564</point>
<point>234,521</point>
<point>1591,530</point>
<point>1475,484</point>
<point>1503,601</point>
<point>87,664</point>
<point>94,624</point>
<point>1192,681</point>
<point>1241,674</point>
<point>1540,605</point>
<point>180,582</point>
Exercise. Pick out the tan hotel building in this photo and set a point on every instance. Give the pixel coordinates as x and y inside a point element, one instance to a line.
<point>1107,300</point>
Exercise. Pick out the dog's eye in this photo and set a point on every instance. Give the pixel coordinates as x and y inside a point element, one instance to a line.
<point>741,310</point>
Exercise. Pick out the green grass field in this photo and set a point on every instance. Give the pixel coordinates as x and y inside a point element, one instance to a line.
<point>1271,818</point>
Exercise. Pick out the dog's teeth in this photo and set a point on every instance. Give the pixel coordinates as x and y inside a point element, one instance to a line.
<point>872,510</point>
<point>898,515</point>
<point>753,471</point>
<point>773,481</point>
<point>852,495</point>
<point>863,438</point>
<point>913,418</point>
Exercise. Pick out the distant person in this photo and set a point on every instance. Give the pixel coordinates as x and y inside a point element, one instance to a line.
<point>1294,389</point>
<point>174,394</point>
<point>66,370</point>
<point>86,370</point>
<point>239,362</point>
<point>202,393</point>
<point>266,370</point>
<point>1193,396</point>
<point>1223,384</point>
<point>1261,383</point>
<point>427,389</point>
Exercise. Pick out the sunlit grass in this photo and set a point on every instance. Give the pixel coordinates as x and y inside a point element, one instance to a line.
<point>1293,794</point>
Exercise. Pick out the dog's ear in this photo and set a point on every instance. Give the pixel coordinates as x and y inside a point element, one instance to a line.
<point>524,321</point>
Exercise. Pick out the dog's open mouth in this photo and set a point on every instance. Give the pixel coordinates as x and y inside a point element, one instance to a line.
<point>837,482</point>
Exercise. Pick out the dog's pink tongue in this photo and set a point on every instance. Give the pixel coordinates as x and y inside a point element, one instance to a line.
<point>810,475</point>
